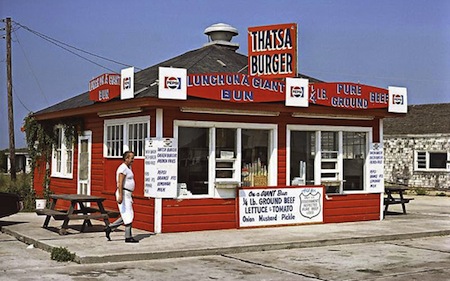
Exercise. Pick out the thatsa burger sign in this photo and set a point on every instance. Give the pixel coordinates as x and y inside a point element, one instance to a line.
<point>272,50</point>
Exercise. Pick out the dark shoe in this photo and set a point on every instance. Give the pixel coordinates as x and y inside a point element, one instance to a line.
<point>108,232</point>
<point>131,240</point>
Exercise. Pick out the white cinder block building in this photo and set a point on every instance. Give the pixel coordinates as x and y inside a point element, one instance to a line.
<point>417,147</point>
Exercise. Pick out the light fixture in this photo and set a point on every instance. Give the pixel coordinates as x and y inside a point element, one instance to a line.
<point>229,111</point>
<point>329,116</point>
<point>119,112</point>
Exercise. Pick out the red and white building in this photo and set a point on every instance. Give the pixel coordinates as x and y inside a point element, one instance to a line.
<point>223,140</point>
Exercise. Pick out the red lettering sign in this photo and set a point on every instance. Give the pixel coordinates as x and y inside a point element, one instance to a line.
<point>272,51</point>
<point>237,87</point>
<point>348,95</point>
<point>234,87</point>
<point>104,87</point>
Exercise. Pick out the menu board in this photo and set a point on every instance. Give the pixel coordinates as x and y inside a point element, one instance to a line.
<point>376,168</point>
<point>261,207</point>
<point>160,172</point>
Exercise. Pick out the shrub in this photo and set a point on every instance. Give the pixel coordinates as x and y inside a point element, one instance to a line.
<point>421,191</point>
<point>443,194</point>
<point>22,187</point>
<point>61,254</point>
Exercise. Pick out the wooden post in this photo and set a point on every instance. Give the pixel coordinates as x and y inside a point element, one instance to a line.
<point>12,150</point>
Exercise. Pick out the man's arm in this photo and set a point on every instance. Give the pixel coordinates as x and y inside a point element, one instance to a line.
<point>120,188</point>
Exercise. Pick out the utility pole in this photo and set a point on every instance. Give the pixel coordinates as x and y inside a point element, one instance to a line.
<point>12,149</point>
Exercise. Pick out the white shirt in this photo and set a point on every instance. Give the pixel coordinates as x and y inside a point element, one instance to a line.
<point>129,177</point>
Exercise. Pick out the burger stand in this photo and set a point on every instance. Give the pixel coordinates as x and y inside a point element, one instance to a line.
<point>255,149</point>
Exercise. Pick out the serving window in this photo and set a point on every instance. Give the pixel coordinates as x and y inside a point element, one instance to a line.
<point>333,156</point>
<point>224,156</point>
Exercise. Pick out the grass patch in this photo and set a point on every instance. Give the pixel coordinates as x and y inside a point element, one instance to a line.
<point>421,191</point>
<point>61,254</point>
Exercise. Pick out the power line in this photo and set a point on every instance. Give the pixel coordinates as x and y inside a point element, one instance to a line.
<point>21,102</point>
<point>66,47</point>
<point>31,69</point>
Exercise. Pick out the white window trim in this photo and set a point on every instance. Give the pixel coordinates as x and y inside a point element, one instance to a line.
<point>125,122</point>
<point>62,174</point>
<point>427,155</point>
<point>320,128</point>
<point>272,169</point>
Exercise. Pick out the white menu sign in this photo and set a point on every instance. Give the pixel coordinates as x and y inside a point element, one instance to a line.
<point>160,173</point>
<point>280,206</point>
<point>376,167</point>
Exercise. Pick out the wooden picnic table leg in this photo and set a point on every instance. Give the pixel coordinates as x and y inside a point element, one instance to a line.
<point>388,201</point>
<point>48,217</point>
<point>65,225</point>
<point>85,221</point>
<point>103,211</point>
<point>403,201</point>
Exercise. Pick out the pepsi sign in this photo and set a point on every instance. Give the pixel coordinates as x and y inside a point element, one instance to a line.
<point>173,83</point>
<point>398,100</point>
<point>127,83</point>
<point>297,92</point>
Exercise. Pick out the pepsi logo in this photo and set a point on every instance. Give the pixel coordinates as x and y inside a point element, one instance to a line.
<point>297,92</point>
<point>397,99</point>
<point>126,83</point>
<point>173,83</point>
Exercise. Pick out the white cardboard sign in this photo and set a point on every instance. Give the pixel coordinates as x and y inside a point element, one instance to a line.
<point>376,167</point>
<point>160,171</point>
<point>280,206</point>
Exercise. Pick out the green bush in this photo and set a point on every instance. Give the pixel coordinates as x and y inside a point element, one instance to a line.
<point>443,194</point>
<point>421,191</point>
<point>22,187</point>
<point>61,254</point>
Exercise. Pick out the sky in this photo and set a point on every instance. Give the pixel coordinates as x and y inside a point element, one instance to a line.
<point>379,43</point>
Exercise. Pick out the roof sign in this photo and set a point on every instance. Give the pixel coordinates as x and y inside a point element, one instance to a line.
<point>297,92</point>
<point>127,83</point>
<point>348,95</point>
<point>104,87</point>
<point>398,100</point>
<point>234,87</point>
<point>272,50</point>
<point>172,83</point>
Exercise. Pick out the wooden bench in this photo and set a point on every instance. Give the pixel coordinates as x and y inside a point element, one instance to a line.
<point>56,214</point>
<point>111,213</point>
<point>394,201</point>
<point>388,201</point>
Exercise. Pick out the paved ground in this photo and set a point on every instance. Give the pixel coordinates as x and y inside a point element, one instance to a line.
<point>427,217</point>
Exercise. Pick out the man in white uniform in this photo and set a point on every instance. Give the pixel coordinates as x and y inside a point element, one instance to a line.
<point>125,187</point>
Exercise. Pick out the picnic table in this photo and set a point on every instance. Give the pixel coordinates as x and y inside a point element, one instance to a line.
<point>83,212</point>
<point>394,195</point>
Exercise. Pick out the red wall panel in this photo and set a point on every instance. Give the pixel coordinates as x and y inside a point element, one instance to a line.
<point>352,207</point>
<point>198,214</point>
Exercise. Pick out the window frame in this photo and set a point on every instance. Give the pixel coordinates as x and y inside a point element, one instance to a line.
<point>427,161</point>
<point>66,155</point>
<point>272,169</point>
<point>125,122</point>
<point>317,164</point>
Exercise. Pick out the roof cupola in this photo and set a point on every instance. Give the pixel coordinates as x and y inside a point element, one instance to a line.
<point>221,34</point>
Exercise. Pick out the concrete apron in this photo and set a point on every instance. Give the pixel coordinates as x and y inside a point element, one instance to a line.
<point>427,216</point>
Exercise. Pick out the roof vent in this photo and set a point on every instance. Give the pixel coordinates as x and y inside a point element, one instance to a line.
<point>221,34</point>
